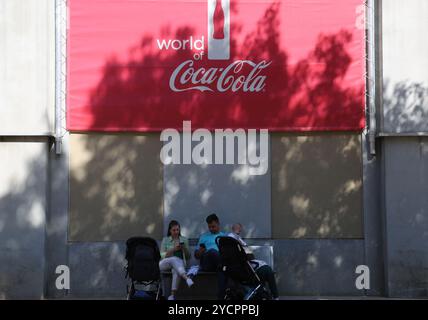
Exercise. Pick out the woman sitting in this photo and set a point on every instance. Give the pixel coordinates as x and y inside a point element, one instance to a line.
<point>174,252</point>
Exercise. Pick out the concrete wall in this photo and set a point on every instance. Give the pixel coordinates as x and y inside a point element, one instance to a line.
<point>318,267</point>
<point>27,33</point>
<point>97,270</point>
<point>404,175</point>
<point>304,267</point>
<point>115,187</point>
<point>57,218</point>
<point>373,218</point>
<point>406,206</point>
<point>116,179</point>
<point>326,205</point>
<point>192,192</point>
<point>22,217</point>
<point>317,186</point>
<point>405,65</point>
<point>27,86</point>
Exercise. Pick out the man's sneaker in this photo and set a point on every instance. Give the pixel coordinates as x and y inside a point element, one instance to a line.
<point>189,282</point>
<point>171,297</point>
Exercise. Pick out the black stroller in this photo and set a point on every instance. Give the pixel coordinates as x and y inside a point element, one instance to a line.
<point>142,255</point>
<point>236,266</point>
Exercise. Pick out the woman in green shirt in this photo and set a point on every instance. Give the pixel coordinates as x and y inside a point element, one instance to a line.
<point>174,252</point>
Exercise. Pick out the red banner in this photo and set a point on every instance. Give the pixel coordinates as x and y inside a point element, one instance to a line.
<point>141,65</point>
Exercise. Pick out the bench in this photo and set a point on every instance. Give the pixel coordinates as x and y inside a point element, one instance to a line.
<point>205,287</point>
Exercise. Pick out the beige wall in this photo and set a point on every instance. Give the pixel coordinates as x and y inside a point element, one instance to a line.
<point>316,186</point>
<point>115,187</point>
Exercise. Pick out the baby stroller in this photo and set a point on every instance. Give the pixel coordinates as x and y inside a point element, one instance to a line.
<point>235,264</point>
<point>142,255</point>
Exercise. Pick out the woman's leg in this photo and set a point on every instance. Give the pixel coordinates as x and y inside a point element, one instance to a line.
<point>179,272</point>
<point>175,282</point>
<point>178,266</point>
<point>166,265</point>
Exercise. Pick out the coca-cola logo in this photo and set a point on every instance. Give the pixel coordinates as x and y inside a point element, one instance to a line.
<point>234,76</point>
<point>186,77</point>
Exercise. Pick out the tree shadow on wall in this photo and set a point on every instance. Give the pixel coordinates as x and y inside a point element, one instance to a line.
<point>317,191</point>
<point>115,187</point>
<point>405,107</point>
<point>22,217</point>
<point>310,91</point>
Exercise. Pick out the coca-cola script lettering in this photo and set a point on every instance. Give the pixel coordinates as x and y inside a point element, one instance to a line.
<point>243,75</point>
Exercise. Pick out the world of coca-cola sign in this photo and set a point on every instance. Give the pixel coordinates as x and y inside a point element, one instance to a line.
<point>185,77</point>
<point>290,65</point>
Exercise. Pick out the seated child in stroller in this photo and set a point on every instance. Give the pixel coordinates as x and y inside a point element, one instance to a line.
<point>262,269</point>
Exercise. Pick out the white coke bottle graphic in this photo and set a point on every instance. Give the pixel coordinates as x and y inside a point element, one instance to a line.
<point>218,29</point>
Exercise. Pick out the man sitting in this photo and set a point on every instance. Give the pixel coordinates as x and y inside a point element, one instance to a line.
<point>208,252</point>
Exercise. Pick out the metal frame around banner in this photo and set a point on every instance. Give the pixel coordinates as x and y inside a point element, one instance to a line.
<point>60,72</point>
<point>371,92</point>
<point>61,26</point>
